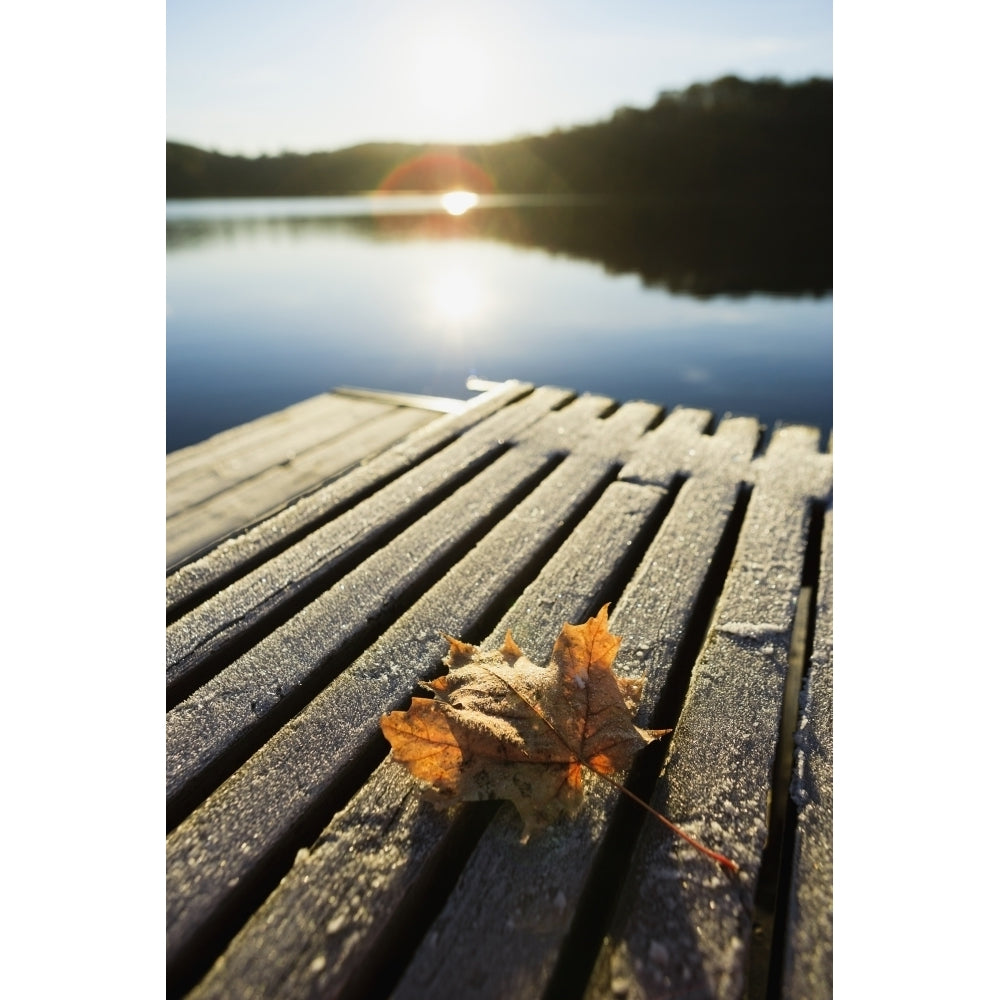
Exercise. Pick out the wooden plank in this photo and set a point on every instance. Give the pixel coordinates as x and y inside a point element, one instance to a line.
<point>682,926</point>
<point>237,438</point>
<point>218,855</point>
<point>338,932</point>
<point>440,404</point>
<point>809,935</point>
<point>211,725</point>
<point>202,470</point>
<point>681,446</point>
<point>245,501</point>
<point>204,575</point>
<point>223,619</point>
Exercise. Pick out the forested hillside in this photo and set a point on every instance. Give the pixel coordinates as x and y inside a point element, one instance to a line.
<point>734,139</point>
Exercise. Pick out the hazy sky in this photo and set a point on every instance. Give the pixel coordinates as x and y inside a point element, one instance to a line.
<point>259,76</point>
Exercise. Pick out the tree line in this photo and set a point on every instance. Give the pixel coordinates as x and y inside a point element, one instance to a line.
<point>763,141</point>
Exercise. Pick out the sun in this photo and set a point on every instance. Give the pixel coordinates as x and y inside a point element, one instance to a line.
<point>459,202</point>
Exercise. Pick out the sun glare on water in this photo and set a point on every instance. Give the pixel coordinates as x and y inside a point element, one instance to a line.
<point>457,296</point>
<point>459,202</point>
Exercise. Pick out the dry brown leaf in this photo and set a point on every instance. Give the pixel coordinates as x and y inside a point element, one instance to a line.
<point>502,727</point>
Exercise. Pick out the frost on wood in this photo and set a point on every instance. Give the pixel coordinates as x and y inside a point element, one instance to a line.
<point>502,727</point>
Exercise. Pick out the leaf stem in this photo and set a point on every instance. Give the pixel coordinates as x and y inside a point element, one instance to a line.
<point>726,863</point>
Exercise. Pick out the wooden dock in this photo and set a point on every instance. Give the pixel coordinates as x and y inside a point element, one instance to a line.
<point>241,475</point>
<point>303,862</point>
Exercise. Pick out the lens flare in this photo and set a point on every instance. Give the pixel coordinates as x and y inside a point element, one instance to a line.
<point>440,170</point>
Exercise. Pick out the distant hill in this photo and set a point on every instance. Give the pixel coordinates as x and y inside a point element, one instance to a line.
<point>196,173</point>
<point>762,141</point>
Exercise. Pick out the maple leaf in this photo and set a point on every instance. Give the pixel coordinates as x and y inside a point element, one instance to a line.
<point>502,727</point>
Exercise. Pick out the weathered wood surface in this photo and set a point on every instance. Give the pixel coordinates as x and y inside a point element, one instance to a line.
<point>230,558</point>
<point>240,475</point>
<point>302,862</point>
<point>809,941</point>
<point>227,709</point>
<point>681,927</point>
<point>222,620</point>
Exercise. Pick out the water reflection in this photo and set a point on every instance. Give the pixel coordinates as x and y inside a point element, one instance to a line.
<point>698,249</point>
<point>457,296</point>
<point>271,301</point>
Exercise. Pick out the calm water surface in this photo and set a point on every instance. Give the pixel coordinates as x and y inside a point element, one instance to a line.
<point>270,301</point>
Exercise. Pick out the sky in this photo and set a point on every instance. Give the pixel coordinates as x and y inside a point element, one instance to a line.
<point>267,76</point>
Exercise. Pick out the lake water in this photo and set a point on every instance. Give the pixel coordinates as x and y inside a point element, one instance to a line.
<point>270,301</point>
